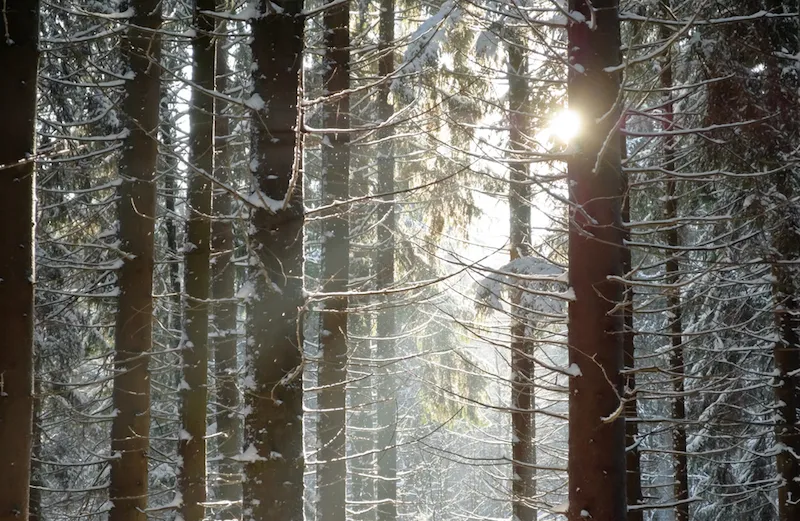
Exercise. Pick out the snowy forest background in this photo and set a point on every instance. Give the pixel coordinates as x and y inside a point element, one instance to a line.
<point>362,224</point>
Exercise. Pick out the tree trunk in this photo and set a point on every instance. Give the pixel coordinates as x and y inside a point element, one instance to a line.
<point>674,315</point>
<point>632,456</point>
<point>336,266</point>
<point>360,428</point>
<point>130,428</point>
<point>522,396</point>
<point>19,60</point>
<point>786,353</point>
<point>361,462</point>
<point>223,280</point>
<point>35,501</point>
<point>194,387</point>
<point>386,414</point>
<point>273,486</point>
<point>596,463</point>
<point>170,224</point>
<point>781,101</point>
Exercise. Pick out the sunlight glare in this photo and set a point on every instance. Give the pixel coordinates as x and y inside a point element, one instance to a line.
<point>565,125</point>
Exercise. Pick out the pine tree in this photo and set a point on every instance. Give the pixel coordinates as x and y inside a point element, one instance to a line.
<point>386,416</point>
<point>273,486</point>
<point>674,313</point>
<point>332,470</point>
<point>596,429</point>
<point>223,280</point>
<point>781,101</point>
<point>522,393</point>
<point>19,58</point>
<point>130,429</point>
<point>194,387</point>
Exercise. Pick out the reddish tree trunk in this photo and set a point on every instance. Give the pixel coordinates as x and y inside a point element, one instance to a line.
<point>596,463</point>
<point>19,58</point>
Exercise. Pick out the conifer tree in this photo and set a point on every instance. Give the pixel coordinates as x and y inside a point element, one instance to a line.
<point>386,484</point>
<point>273,485</point>
<point>130,429</point>
<point>519,193</point>
<point>197,251</point>
<point>19,58</point>
<point>596,428</point>
<point>223,280</point>
<point>331,470</point>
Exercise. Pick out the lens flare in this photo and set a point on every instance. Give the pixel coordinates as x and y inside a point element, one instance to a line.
<point>565,126</point>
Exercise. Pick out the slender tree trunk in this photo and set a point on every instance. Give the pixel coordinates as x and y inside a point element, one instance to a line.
<point>223,277</point>
<point>171,218</point>
<point>781,100</point>
<point>674,315</point>
<point>361,461</point>
<point>130,428</point>
<point>386,414</point>
<point>596,463</point>
<point>336,266</point>
<point>522,397</point>
<point>194,387</point>
<point>273,486</point>
<point>360,418</point>
<point>35,501</point>
<point>19,60</point>
<point>786,354</point>
<point>632,456</point>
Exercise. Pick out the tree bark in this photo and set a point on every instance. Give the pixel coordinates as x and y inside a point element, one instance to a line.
<point>223,280</point>
<point>332,469</point>
<point>522,393</point>
<point>386,414</point>
<point>273,486</point>
<point>632,457</point>
<point>781,101</point>
<point>130,428</point>
<point>786,353</point>
<point>171,228</point>
<point>35,500</point>
<point>19,60</point>
<point>674,315</point>
<point>596,464</point>
<point>197,251</point>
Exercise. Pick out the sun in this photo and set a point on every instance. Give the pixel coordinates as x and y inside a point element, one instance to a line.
<point>565,125</point>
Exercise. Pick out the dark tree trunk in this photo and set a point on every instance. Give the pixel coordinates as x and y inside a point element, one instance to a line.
<point>676,362</point>
<point>194,388</point>
<point>332,469</point>
<point>632,456</point>
<point>19,60</point>
<point>130,429</point>
<point>171,229</point>
<point>223,280</point>
<point>596,463</point>
<point>782,130</point>
<point>273,486</point>
<point>386,485</point>
<point>35,501</point>
<point>786,353</point>
<point>522,394</point>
